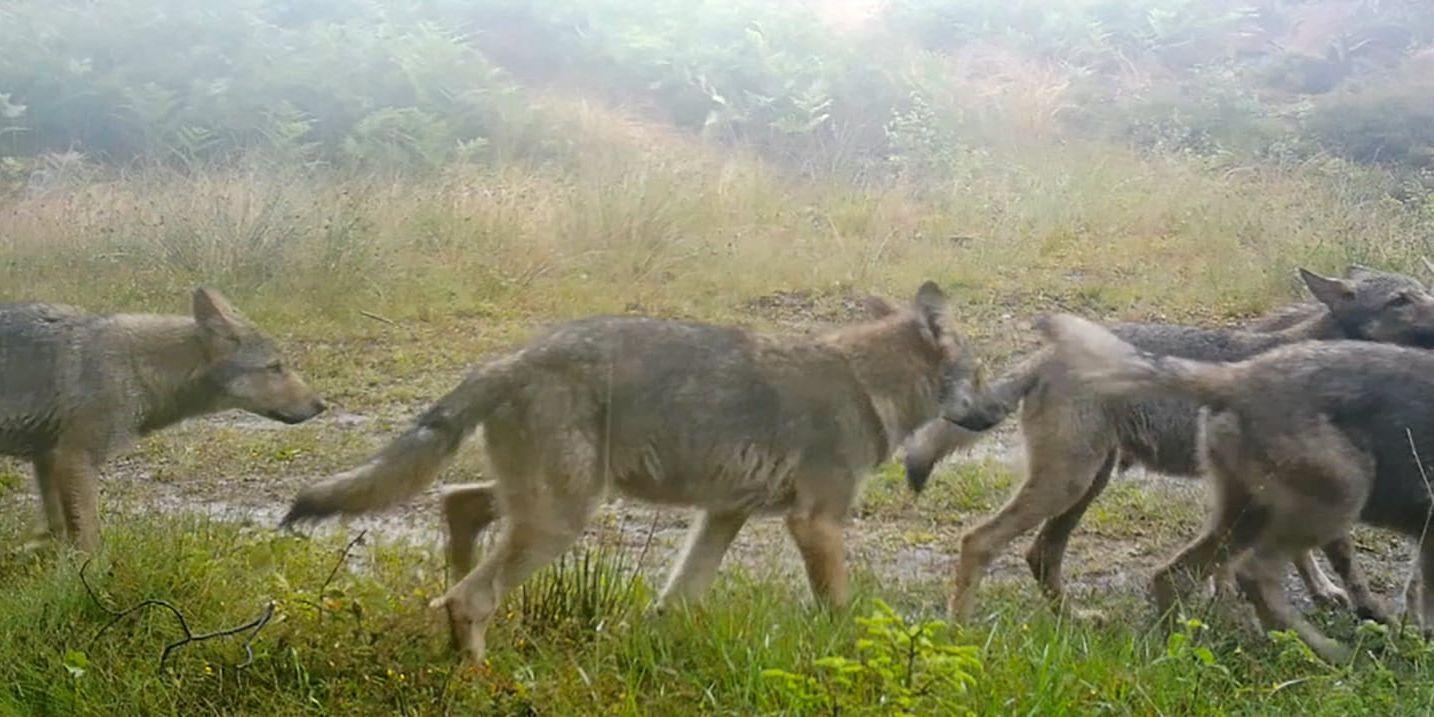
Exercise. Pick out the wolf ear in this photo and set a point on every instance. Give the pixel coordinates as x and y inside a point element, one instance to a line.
<point>877,307</point>
<point>1359,273</point>
<point>216,314</point>
<point>932,309</point>
<point>1329,291</point>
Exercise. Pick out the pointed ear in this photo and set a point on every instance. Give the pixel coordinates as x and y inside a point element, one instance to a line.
<point>877,307</point>
<point>932,308</point>
<point>1359,273</point>
<point>1329,291</point>
<point>216,314</point>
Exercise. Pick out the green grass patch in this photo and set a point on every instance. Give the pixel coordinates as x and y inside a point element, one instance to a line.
<point>352,636</point>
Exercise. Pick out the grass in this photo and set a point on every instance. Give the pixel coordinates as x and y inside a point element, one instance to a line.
<point>461,263</point>
<point>361,642</point>
<point>684,232</point>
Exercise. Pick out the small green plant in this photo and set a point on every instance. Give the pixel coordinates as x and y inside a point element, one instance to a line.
<point>903,668</point>
<point>588,589</point>
<point>922,146</point>
<point>1195,660</point>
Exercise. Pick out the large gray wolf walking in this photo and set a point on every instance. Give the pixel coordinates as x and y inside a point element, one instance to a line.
<point>724,420</point>
<point>75,388</point>
<point>1074,438</point>
<point>1301,442</point>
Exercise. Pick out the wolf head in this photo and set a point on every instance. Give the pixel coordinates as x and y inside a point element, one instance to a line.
<point>1377,306</point>
<point>244,366</point>
<point>935,335</point>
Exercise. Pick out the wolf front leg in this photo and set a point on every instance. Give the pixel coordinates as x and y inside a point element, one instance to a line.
<point>73,478</point>
<point>48,485</point>
<point>819,538</point>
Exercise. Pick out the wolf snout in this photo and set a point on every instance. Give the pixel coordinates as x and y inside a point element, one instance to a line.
<point>976,419</point>
<point>314,408</point>
<point>917,473</point>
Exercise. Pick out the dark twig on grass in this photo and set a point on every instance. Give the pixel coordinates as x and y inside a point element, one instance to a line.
<point>376,317</point>
<point>343,558</point>
<point>252,627</point>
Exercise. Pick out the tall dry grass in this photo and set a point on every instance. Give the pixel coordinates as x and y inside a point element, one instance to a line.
<point>672,226</point>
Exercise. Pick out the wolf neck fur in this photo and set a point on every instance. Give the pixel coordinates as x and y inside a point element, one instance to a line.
<point>168,367</point>
<point>1321,326</point>
<point>900,402</point>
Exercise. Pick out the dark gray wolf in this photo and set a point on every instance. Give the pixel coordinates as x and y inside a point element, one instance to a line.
<point>75,388</point>
<point>1301,443</point>
<point>728,421</point>
<point>1074,438</point>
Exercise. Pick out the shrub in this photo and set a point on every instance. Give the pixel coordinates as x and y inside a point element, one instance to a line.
<point>904,669</point>
<point>1390,120</point>
<point>173,79</point>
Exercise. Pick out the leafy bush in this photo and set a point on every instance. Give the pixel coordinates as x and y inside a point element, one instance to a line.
<point>1208,115</point>
<point>1088,32</point>
<point>904,669</point>
<point>757,73</point>
<point>167,79</point>
<point>1389,120</point>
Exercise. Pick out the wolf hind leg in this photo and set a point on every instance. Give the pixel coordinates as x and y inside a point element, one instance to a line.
<point>546,497</point>
<point>1047,551</point>
<point>1060,473</point>
<point>1366,605</point>
<point>707,542</point>
<point>467,511</point>
<point>1260,580</point>
<point>1322,590</point>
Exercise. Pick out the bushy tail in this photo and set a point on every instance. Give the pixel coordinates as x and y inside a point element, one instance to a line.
<point>412,461</point>
<point>943,436</point>
<point>1107,365</point>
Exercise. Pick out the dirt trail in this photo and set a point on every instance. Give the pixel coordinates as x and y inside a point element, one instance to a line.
<point>903,548</point>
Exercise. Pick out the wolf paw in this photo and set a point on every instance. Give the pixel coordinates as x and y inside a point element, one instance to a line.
<point>1331,597</point>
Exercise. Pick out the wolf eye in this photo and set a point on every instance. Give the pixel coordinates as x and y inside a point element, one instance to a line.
<point>275,367</point>
<point>1400,300</point>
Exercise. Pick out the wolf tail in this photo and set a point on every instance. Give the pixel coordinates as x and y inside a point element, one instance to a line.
<point>1107,365</point>
<point>412,461</point>
<point>940,438</point>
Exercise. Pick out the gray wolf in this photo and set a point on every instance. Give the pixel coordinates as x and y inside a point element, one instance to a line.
<point>727,421</point>
<point>1293,314</point>
<point>938,439</point>
<point>75,388</point>
<point>1301,442</point>
<point>1075,438</point>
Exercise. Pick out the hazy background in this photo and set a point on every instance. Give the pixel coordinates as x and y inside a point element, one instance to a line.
<point>1026,150</point>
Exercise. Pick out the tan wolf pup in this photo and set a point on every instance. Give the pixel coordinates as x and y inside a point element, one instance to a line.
<point>75,388</point>
<point>727,421</point>
<point>1301,443</point>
